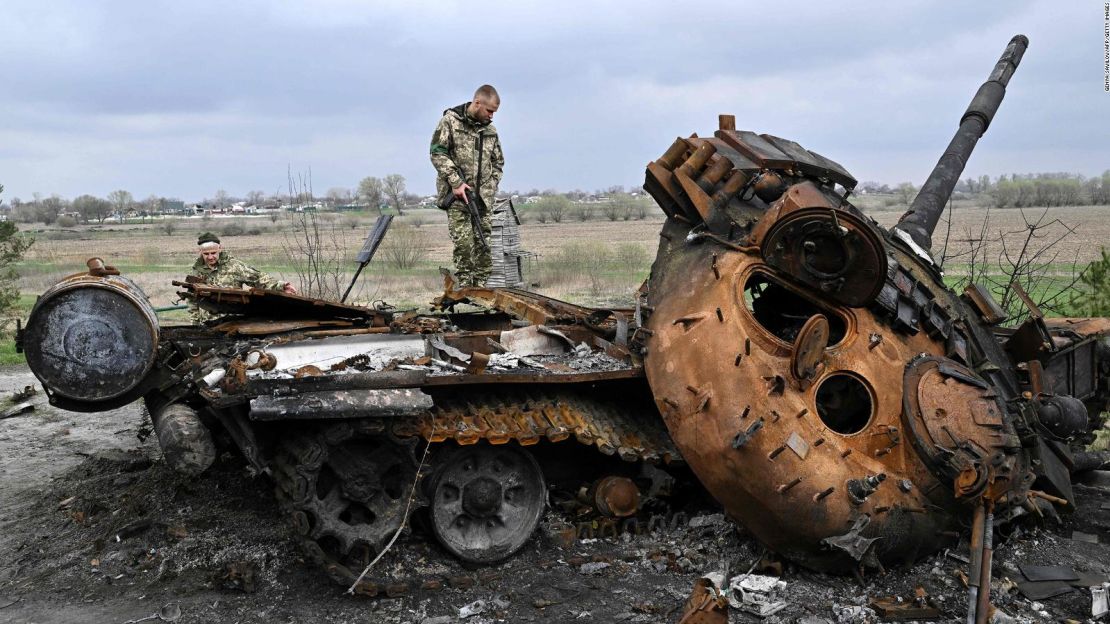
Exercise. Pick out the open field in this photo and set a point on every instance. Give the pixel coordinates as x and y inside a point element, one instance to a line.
<point>153,259</point>
<point>592,262</point>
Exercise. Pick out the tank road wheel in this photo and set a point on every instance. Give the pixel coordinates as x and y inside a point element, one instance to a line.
<point>348,493</point>
<point>486,501</point>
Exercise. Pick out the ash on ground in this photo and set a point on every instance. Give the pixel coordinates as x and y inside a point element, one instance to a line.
<point>95,527</point>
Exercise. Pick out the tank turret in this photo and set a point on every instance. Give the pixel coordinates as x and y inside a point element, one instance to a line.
<point>818,375</point>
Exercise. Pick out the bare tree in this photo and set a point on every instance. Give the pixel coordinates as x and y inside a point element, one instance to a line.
<point>370,191</point>
<point>339,195</point>
<point>905,192</point>
<point>316,249</point>
<point>1029,264</point>
<point>169,226</point>
<point>405,246</point>
<point>49,208</point>
<point>1029,258</point>
<point>554,208</point>
<point>152,204</point>
<point>255,198</point>
<point>221,198</point>
<point>616,208</point>
<point>121,201</point>
<point>394,188</point>
<point>90,207</point>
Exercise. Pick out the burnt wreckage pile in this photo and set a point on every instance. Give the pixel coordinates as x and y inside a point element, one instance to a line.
<point>811,368</point>
<point>363,416</point>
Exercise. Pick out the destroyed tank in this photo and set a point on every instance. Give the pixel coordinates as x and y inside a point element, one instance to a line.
<point>811,369</point>
<point>822,381</point>
<point>363,416</point>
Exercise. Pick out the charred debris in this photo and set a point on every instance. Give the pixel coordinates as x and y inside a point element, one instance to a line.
<point>811,368</point>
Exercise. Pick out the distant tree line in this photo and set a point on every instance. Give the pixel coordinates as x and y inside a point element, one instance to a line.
<point>373,192</point>
<point>613,203</point>
<point>1047,189</point>
<point>82,209</point>
<point>1018,190</point>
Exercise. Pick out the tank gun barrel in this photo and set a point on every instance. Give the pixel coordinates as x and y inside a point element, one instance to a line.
<point>921,219</point>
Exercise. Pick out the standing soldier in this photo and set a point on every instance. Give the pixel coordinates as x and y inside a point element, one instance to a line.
<point>467,155</point>
<point>216,267</point>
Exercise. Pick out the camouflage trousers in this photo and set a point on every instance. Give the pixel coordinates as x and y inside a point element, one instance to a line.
<point>472,264</point>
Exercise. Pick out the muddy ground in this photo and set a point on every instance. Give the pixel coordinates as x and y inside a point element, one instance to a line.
<point>95,528</point>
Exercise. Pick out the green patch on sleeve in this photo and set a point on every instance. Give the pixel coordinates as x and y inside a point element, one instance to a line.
<point>438,148</point>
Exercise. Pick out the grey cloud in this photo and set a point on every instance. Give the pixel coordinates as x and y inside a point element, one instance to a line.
<point>225,95</point>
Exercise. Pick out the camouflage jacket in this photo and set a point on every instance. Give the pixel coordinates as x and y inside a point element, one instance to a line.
<point>465,151</point>
<point>230,273</point>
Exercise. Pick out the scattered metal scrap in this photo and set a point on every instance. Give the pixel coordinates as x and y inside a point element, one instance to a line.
<point>1047,581</point>
<point>1100,604</point>
<point>714,594</point>
<point>897,609</point>
<point>170,612</point>
<point>16,410</point>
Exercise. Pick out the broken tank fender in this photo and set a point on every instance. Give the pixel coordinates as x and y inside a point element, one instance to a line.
<point>341,404</point>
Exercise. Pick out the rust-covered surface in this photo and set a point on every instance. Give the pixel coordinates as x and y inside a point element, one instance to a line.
<point>622,428</point>
<point>716,375</point>
<point>270,303</point>
<point>821,380</point>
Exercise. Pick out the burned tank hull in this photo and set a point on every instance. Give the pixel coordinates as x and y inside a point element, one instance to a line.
<point>363,417</point>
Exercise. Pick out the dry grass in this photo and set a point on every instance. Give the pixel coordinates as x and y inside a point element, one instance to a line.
<point>1092,225</point>
<point>594,262</point>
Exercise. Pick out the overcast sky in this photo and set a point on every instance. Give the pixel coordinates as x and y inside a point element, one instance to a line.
<point>182,98</point>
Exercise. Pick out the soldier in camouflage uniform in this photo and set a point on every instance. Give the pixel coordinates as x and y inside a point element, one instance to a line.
<point>466,153</point>
<point>216,267</point>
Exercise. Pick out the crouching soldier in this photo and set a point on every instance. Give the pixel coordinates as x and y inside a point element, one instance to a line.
<point>216,267</point>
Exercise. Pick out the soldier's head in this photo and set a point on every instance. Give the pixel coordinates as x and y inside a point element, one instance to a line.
<point>208,246</point>
<point>485,104</point>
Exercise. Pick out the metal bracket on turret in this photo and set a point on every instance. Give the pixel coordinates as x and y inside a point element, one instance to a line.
<point>904,237</point>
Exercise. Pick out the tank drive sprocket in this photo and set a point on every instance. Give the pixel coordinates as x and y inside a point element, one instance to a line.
<point>346,488</point>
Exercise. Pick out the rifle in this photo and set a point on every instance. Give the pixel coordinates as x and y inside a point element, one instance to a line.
<point>473,204</point>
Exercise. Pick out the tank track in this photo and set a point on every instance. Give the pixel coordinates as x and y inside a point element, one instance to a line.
<point>519,416</point>
<point>307,463</point>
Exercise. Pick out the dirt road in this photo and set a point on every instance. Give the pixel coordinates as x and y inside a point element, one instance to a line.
<point>95,528</point>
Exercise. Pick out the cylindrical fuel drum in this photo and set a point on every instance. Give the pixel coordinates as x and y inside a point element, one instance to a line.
<point>91,339</point>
